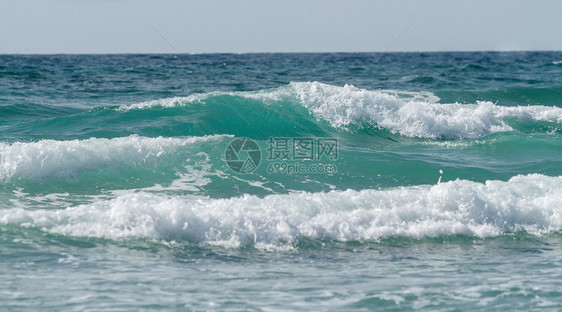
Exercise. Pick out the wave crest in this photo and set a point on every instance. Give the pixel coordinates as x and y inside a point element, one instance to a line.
<point>415,116</point>
<point>65,159</point>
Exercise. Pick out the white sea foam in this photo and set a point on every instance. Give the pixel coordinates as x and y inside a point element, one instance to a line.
<point>199,98</point>
<point>415,117</point>
<point>526,202</point>
<point>413,114</point>
<point>168,102</point>
<point>64,159</point>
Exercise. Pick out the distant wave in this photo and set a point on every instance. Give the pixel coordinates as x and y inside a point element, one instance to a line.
<point>411,114</point>
<point>528,203</point>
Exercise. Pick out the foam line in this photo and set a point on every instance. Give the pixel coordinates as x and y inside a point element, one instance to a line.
<point>529,203</point>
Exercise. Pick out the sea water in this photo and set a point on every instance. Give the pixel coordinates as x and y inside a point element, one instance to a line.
<point>272,182</point>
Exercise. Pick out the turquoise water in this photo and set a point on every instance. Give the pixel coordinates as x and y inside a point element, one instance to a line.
<point>336,182</point>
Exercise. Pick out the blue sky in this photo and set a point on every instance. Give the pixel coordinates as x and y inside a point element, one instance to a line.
<point>203,26</point>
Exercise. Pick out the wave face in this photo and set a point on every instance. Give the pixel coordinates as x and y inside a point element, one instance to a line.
<point>528,203</point>
<point>410,114</point>
<point>301,109</point>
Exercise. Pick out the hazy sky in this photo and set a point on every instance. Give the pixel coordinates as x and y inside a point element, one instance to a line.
<point>198,26</point>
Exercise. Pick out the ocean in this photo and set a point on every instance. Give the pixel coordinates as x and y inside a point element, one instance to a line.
<point>281,182</point>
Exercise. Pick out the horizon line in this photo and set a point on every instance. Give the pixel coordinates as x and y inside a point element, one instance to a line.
<point>248,53</point>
